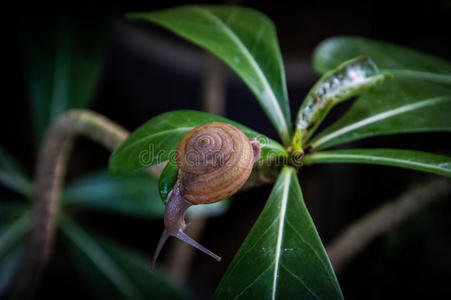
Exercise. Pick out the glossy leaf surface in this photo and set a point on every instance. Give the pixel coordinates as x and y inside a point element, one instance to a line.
<point>12,175</point>
<point>282,257</point>
<point>417,99</point>
<point>416,160</point>
<point>114,272</point>
<point>167,180</point>
<point>347,80</point>
<point>136,194</point>
<point>398,106</point>
<point>246,40</point>
<point>156,140</point>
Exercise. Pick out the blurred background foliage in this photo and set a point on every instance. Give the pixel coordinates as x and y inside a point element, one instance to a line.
<point>79,54</point>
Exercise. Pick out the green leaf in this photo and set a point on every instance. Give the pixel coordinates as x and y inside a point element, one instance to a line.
<point>64,60</point>
<point>8,266</point>
<point>416,160</point>
<point>400,61</point>
<point>398,106</point>
<point>156,140</point>
<point>135,195</point>
<point>12,175</point>
<point>116,273</point>
<point>14,229</point>
<point>418,99</point>
<point>350,78</point>
<point>282,257</point>
<point>246,40</point>
<point>167,180</point>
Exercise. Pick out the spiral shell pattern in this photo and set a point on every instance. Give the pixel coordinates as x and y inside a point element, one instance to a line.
<point>214,162</point>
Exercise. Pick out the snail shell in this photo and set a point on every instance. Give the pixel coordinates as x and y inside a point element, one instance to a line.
<point>214,162</point>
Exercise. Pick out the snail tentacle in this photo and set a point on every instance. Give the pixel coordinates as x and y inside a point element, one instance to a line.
<point>174,222</point>
<point>184,237</point>
<point>256,147</point>
<point>214,161</point>
<point>161,242</point>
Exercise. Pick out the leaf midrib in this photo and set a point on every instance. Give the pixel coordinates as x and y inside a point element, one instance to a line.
<point>267,88</point>
<point>432,76</point>
<point>377,158</point>
<point>283,209</point>
<point>378,117</point>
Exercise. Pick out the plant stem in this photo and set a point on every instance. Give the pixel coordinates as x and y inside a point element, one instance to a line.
<point>50,172</point>
<point>360,233</point>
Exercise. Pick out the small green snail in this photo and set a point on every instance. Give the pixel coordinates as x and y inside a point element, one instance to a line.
<point>214,162</point>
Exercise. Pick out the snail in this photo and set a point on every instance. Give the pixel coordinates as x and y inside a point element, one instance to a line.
<point>214,161</point>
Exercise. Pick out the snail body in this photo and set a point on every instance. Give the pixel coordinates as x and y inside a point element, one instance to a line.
<point>214,161</point>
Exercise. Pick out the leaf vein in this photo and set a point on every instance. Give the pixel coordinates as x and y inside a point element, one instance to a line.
<point>379,117</point>
<point>253,246</point>
<point>382,159</point>
<point>280,119</point>
<point>309,245</point>
<point>254,281</point>
<point>301,281</point>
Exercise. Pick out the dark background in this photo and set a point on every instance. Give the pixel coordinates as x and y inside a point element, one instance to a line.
<point>141,80</point>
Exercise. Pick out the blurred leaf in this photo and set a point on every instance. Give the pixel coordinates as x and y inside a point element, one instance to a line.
<point>12,210</point>
<point>8,266</point>
<point>210,210</point>
<point>64,58</point>
<point>114,272</point>
<point>156,140</point>
<point>282,257</point>
<point>350,78</point>
<point>416,160</point>
<point>136,194</point>
<point>12,175</point>
<point>14,226</point>
<point>418,99</point>
<point>13,230</point>
<point>246,40</point>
